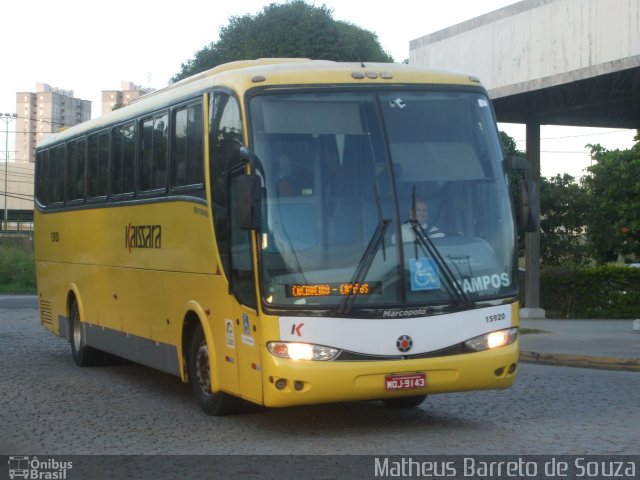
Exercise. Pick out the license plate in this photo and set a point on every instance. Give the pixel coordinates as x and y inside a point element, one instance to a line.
<point>405,381</point>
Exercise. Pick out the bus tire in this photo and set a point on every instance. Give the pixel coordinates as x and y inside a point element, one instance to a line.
<point>83,356</point>
<point>199,369</point>
<point>405,402</point>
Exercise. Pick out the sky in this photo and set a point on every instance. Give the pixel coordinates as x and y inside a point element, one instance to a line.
<point>87,47</point>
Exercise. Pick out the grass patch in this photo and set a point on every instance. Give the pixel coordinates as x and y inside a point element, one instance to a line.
<point>17,266</point>
<point>529,331</point>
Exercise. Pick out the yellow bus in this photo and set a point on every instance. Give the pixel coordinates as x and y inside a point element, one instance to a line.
<point>287,232</point>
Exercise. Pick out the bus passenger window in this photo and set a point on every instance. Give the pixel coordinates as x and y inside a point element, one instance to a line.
<point>98,165</point>
<point>153,165</point>
<point>42,174</point>
<point>123,159</point>
<point>187,147</point>
<point>56,175</point>
<point>75,170</point>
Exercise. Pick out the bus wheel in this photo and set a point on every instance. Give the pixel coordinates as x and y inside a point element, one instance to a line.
<point>405,402</point>
<point>199,368</point>
<point>83,356</point>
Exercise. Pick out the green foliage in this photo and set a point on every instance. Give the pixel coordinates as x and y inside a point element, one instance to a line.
<point>509,146</point>
<point>597,220</point>
<point>564,208</point>
<point>17,266</point>
<point>607,291</point>
<point>289,30</point>
<point>614,186</point>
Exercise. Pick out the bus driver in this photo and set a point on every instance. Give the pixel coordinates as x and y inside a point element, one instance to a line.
<point>420,214</point>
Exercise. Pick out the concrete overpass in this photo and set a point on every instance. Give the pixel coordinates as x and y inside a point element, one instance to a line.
<point>548,62</point>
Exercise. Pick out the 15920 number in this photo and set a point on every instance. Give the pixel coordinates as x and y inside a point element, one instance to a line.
<point>495,318</point>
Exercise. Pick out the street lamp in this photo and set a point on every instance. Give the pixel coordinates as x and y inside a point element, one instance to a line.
<point>6,117</point>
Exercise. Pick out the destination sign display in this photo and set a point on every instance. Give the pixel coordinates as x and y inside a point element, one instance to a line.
<point>333,289</point>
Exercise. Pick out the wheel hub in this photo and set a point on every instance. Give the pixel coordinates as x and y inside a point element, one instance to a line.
<point>77,334</point>
<point>202,368</point>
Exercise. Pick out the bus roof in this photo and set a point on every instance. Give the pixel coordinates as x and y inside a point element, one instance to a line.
<point>245,74</point>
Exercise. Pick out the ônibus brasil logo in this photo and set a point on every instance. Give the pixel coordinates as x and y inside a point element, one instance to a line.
<point>142,236</point>
<point>34,468</point>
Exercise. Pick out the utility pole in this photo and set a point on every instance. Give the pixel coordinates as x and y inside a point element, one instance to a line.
<point>6,117</point>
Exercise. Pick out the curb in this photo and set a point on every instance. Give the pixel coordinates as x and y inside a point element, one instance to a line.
<point>583,361</point>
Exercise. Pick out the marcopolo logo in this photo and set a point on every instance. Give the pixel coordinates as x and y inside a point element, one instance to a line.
<point>34,468</point>
<point>417,312</point>
<point>142,236</point>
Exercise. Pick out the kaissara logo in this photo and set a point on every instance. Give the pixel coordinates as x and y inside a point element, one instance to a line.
<point>143,236</point>
<point>296,329</point>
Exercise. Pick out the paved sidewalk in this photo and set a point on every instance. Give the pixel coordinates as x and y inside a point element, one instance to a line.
<point>610,344</point>
<point>18,301</point>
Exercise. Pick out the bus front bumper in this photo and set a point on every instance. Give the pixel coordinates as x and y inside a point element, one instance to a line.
<point>294,382</point>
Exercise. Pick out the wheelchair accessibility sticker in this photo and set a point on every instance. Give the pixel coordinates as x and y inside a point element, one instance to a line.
<point>424,274</point>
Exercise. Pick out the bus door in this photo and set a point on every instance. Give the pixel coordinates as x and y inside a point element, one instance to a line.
<point>241,346</point>
<point>245,318</point>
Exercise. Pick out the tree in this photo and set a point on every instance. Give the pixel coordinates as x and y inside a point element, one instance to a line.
<point>292,29</point>
<point>614,185</point>
<point>564,208</point>
<point>509,146</point>
<point>564,205</point>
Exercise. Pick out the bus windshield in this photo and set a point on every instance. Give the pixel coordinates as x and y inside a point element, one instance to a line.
<point>381,198</point>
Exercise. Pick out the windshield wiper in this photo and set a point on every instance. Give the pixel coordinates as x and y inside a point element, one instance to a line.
<point>422,237</point>
<point>453,287</point>
<point>362,269</point>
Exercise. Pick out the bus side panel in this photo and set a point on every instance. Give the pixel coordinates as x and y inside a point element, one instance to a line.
<point>136,269</point>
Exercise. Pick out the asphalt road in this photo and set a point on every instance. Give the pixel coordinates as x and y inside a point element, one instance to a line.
<point>128,421</point>
<point>48,405</point>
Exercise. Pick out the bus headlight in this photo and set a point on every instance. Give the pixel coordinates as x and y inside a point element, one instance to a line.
<point>302,351</point>
<point>500,338</point>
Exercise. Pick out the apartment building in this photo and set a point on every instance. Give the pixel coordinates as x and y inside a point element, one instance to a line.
<point>129,91</point>
<point>46,111</point>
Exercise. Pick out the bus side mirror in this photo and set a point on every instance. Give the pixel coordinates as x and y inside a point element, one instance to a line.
<point>528,215</point>
<point>249,202</point>
<point>528,201</point>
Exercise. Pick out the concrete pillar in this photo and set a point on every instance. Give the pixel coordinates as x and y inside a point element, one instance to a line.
<point>532,240</point>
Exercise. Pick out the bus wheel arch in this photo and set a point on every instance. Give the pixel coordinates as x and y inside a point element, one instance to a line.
<point>73,297</point>
<point>199,361</point>
<point>83,355</point>
<point>189,324</point>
